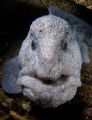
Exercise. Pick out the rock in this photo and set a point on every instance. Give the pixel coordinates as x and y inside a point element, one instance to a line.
<point>87,3</point>
<point>87,113</point>
<point>84,93</point>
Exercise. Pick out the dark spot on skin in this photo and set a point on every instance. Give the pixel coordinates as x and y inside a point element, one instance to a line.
<point>67,33</point>
<point>63,45</point>
<point>40,31</point>
<point>31,34</point>
<point>20,67</point>
<point>33,45</point>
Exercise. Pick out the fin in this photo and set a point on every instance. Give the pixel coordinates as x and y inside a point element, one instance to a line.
<point>10,75</point>
<point>53,10</point>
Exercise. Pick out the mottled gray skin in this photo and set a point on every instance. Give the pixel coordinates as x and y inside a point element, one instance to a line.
<point>81,30</point>
<point>49,52</point>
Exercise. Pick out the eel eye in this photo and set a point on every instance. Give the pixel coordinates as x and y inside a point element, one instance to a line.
<point>33,45</point>
<point>31,34</point>
<point>63,45</point>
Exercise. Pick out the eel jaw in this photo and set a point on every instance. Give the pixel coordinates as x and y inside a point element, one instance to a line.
<point>25,81</point>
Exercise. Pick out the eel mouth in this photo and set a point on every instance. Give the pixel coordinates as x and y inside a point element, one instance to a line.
<point>49,81</point>
<point>45,81</point>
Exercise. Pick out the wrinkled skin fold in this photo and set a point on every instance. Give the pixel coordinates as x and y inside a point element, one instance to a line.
<point>47,69</point>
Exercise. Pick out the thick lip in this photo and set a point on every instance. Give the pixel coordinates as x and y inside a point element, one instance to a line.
<point>48,81</point>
